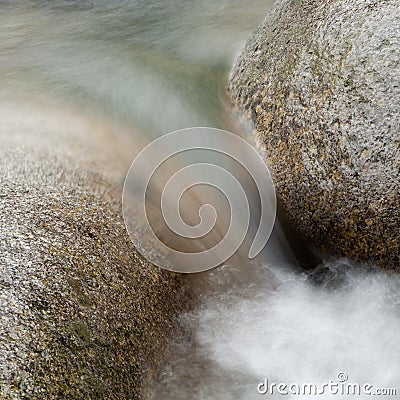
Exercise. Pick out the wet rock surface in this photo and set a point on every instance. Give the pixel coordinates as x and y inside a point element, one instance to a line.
<point>320,80</point>
<point>83,315</point>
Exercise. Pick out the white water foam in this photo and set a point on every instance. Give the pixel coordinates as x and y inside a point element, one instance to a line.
<point>292,328</point>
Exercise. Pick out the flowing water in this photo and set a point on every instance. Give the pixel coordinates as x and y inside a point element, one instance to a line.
<point>152,67</point>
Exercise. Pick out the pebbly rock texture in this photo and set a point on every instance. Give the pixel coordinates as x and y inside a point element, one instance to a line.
<point>321,82</point>
<point>83,315</point>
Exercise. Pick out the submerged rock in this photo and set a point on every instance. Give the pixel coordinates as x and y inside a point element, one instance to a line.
<point>83,315</point>
<point>321,82</point>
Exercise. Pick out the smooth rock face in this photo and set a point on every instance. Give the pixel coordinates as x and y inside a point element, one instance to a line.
<point>83,315</point>
<point>321,81</point>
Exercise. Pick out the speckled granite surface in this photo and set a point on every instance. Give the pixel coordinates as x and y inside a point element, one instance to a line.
<point>321,81</point>
<point>83,315</point>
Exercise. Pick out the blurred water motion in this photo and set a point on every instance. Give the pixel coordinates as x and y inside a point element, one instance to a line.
<point>129,71</point>
<point>159,66</point>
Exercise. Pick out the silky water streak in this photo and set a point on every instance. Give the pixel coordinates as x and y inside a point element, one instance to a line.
<point>218,160</point>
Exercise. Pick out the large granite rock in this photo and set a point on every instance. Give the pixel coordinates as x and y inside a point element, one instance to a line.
<point>321,81</point>
<point>83,315</point>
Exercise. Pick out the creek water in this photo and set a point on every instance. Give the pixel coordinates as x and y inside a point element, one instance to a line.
<point>154,67</point>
